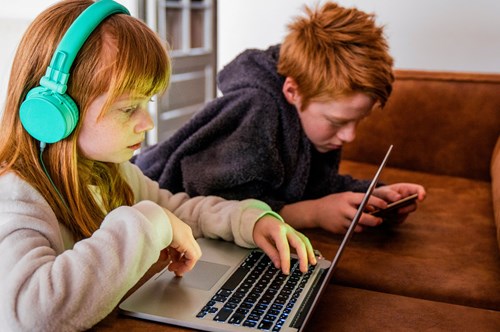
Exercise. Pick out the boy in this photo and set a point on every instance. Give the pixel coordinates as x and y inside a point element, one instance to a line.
<point>276,133</point>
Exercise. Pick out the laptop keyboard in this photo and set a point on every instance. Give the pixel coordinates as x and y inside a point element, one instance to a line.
<point>257,295</point>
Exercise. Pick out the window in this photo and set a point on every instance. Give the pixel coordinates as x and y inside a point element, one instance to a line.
<point>189,27</point>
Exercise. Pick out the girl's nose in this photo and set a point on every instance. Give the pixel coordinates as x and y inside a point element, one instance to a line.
<point>145,122</point>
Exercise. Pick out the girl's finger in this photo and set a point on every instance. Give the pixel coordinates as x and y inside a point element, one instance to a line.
<point>301,251</point>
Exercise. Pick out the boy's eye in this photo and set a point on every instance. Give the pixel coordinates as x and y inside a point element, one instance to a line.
<point>337,124</point>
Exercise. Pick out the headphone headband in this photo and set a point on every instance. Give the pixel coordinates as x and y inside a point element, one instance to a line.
<point>57,74</point>
<point>48,114</point>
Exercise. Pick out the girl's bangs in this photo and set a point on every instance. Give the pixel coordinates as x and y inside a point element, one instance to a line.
<point>137,62</point>
<point>143,64</point>
<point>147,75</point>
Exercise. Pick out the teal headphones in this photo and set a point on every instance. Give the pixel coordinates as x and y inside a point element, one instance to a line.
<point>49,114</point>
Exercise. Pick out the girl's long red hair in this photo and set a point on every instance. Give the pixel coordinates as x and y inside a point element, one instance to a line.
<point>121,56</point>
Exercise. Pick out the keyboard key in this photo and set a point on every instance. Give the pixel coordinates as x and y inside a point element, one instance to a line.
<point>201,314</point>
<point>236,319</point>
<point>223,315</point>
<point>250,323</point>
<point>218,298</point>
<point>265,325</point>
<point>269,318</point>
<point>254,317</point>
<point>235,279</point>
<point>224,292</point>
<point>257,294</point>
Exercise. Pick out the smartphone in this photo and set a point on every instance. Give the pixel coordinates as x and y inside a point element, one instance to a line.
<point>393,207</point>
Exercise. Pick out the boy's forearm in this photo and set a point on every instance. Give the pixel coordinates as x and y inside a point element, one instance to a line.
<point>300,215</point>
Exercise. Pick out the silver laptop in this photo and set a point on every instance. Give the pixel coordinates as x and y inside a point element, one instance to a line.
<point>236,289</point>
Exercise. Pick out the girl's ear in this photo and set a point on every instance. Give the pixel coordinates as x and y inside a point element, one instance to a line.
<point>291,92</point>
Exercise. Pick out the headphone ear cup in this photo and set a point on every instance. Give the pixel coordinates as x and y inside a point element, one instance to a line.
<point>48,116</point>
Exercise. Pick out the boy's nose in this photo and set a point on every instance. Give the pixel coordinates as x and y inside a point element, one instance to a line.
<point>347,133</point>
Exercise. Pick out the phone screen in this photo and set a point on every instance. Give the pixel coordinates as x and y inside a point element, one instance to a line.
<point>394,206</point>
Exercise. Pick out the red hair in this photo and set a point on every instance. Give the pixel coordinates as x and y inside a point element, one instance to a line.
<point>122,55</point>
<point>334,51</point>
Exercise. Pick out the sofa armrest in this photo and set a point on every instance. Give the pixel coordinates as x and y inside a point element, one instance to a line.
<point>495,186</point>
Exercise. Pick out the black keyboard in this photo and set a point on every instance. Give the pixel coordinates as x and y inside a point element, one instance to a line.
<point>257,295</point>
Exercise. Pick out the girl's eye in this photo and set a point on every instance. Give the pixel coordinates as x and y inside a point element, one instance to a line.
<point>129,109</point>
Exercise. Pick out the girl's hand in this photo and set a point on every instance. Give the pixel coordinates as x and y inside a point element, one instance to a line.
<point>184,251</point>
<point>275,237</point>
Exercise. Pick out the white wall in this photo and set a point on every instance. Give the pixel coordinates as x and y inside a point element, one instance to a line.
<point>28,9</point>
<point>454,35</point>
<point>15,17</point>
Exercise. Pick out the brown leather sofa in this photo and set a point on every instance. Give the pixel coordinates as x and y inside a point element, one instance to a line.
<point>440,270</point>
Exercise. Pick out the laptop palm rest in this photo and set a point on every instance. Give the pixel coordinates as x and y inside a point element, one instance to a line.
<point>170,299</point>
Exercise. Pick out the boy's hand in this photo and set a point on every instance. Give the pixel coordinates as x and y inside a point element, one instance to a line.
<point>275,238</point>
<point>335,212</point>
<point>397,191</point>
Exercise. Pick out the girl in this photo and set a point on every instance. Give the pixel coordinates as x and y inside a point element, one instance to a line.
<point>79,224</point>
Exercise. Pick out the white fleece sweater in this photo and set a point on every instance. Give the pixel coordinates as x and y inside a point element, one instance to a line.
<point>50,283</point>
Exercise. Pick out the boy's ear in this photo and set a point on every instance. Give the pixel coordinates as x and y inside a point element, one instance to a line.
<point>291,91</point>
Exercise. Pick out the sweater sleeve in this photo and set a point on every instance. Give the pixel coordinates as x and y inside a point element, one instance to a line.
<point>208,216</point>
<point>47,287</point>
<point>348,183</point>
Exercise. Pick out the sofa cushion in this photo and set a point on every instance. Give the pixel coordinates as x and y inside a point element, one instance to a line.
<point>495,186</point>
<point>445,251</point>
<point>442,123</point>
<point>350,309</point>
<point>354,309</point>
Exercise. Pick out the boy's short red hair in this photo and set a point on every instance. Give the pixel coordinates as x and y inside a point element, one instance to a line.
<point>335,51</point>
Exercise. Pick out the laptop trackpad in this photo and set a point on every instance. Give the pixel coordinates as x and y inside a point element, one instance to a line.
<point>203,276</point>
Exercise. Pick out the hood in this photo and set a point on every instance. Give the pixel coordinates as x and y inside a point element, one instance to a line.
<point>252,68</point>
